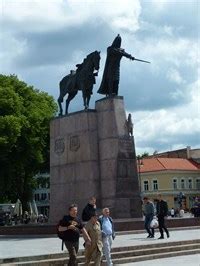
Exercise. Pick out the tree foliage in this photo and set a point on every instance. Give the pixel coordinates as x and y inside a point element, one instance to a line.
<point>143,155</point>
<point>25,114</point>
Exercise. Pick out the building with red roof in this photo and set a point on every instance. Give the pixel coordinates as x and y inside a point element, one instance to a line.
<point>177,179</point>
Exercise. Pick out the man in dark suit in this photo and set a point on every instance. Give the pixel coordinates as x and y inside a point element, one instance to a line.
<point>162,211</point>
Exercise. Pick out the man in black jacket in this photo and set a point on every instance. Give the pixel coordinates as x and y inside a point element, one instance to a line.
<point>162,210</point>
<point>70,226</point>
<point>89,209</point>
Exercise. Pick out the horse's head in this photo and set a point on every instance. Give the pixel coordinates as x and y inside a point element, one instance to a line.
<point>96,59</point>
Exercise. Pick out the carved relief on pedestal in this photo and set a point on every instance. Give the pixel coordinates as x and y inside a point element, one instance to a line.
<point>74,143</point>
<point>59,146</point>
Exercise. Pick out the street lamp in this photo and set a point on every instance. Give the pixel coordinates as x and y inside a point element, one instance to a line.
<point>139,163</point>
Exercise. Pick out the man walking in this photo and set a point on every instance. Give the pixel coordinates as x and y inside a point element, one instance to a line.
<point>89,209</point>
<point>108,234</point>
<point>149,212</point>
<point>162,210</point>
<point>70,226</point>
<point>93,251</point>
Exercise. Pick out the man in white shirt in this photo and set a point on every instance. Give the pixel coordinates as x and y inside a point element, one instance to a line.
<point>108,234</point>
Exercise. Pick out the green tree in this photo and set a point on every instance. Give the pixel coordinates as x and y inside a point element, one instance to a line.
<point>25,114</point>
<point>143,155</point>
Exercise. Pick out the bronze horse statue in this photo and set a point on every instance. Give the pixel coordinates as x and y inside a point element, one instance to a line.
<point>82,79</point>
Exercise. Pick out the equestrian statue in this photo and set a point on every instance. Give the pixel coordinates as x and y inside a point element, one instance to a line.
<point>82,79</point>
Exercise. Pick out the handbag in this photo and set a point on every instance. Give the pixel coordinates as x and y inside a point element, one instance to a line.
<point>154,223</point>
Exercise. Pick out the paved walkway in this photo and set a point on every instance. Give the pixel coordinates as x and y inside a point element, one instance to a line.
<point>189,260</point>
<point>19,247</point>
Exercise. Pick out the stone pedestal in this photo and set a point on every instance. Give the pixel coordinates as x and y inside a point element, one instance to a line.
<point>91,154</point>
<point>117,160</point>
<point>74,164</point>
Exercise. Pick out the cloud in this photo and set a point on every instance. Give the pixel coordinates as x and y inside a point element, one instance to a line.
<point>51,14</point>
<point>166,129</point>
<point>42,40</point>
<point>181,16</point>
<point>174,76</point>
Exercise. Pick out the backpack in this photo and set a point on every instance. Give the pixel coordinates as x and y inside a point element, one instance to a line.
<point>61,235</point>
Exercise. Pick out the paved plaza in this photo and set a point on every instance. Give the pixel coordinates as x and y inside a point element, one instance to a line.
<point>12,247</point>
<point>189,260</point>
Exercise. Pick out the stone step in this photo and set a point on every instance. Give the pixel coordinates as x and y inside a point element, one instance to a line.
<point>114,250</point>
<point>139,252</point>
<point>124,254</point>
<point>154,256</point>
<point>156,245</point>
<point>117,261</point>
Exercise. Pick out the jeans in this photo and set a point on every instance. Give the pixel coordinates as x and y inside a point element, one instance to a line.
<point>107,243</point>
<point>147,221</point>
<point>72,248</point>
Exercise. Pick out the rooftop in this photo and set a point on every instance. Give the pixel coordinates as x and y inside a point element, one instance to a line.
<point>163,164</point>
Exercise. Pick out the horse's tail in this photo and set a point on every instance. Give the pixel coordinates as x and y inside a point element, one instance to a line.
<point>64,81</point>
<point>63,86</point>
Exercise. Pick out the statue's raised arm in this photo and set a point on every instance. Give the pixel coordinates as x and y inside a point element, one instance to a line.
<point>110,81</point>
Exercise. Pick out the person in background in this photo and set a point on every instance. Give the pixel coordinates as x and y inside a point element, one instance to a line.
<point>94,250</point>
<point>172,212</point>
<point>162,211</point>
<point>196,208</point>
<point>149,212</point>
<point>181,213</point>
<point>89,209</point>
<point>108,234</point>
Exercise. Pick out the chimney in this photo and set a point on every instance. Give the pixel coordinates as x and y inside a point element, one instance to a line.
<point>188,152</point>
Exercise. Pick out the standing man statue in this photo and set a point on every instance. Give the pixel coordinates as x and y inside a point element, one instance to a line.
<point>110,81</point>
<point>129,125</point>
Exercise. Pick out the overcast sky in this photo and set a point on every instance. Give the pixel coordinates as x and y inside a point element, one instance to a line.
<point>41,40</point>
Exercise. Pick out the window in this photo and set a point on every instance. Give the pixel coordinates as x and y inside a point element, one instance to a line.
<point>190,183</point>
<point>37,197</point>
<point>146,185</point>
<point>155,184</point>
<point>182,184</point>
<point>43,196</point>
<point>175,184</point>
<point>198,184</point>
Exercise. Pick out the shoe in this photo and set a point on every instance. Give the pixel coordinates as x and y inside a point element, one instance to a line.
<point>161,237</point>
<point>168,235</point>
<point>148,236</point>
<point>151,236</point>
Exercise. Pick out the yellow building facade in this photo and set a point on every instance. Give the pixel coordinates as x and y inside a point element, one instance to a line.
<point>178,180</point>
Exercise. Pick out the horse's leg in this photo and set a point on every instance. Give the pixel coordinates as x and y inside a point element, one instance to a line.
<point>60,100</point>
<point>71,95</point>
<point>88,95</point>
<point>88,100</point>
<point>84,99</point>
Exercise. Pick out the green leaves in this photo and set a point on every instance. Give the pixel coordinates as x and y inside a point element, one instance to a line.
<point>24,136</point>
